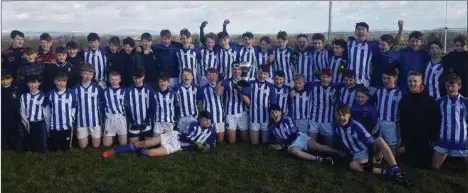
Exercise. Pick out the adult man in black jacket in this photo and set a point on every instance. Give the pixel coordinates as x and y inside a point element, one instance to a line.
<point>127,61</point>
<point>420,120</point>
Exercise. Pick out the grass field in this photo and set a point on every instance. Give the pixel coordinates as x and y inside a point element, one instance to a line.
<point>228,168</point>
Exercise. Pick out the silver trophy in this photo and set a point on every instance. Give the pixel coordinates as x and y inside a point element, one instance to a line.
<point>245,67</point>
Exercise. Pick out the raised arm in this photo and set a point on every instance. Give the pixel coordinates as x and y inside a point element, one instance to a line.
<point>202,32</point>
<point>400,31</point>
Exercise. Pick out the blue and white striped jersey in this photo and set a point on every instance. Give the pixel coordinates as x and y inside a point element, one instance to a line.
<point>282,97</point>
<point>99,61</point>
<point>432,79</point>
<point>300,105</point>
<point>346,95</point>
<point>304,65</point>
<point>262,95</point>
<point>114,98</point>
<point>33,106</point>
<point>262,59</point>
<point>320,60</point>
<point>321,103</point>
<point>226,58</point>
<point>188,58</point>
<point>139,104</point>
<point>284,132</point>
<point>208,59</point>
<point>387,103</point>
<point>187,99</point>
<point>354,136</point>
<point>90,101</point>
<point>453,129</point>
<point>359,59</point>
<point>166,102</point>
<point>211,102</point>
<point>62,109</point>
<point>249,55</point>
<point>233,102</point>
<point>195,133</point>
<point>283,61</point>
<point>334,65</point>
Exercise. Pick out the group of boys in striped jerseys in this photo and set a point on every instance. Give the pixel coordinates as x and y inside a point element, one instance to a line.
<point>287,99</point>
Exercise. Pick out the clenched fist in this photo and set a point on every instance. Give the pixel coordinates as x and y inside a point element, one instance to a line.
<point>203,24</point>
<point>226,21</point>
<point>400,23</point>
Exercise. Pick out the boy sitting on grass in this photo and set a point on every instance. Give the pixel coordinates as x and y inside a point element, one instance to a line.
<point>199,135</point>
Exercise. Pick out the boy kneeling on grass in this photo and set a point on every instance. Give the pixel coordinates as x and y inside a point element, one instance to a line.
<point>199,135</point>
<point>362,146</point>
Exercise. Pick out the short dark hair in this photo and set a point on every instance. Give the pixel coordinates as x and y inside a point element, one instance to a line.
<point>114,73</point>
<point>302,36</point>
<point>436,42</point>
<point>45,36</point>
<point>185,32</point>
<point>165,33</point>
<point>6,74</point>
<point>326,71</point>
<point>264,68</point>
<point>349,74</point>
<point>391,72</point>
<point>93,37</point>
<point>266,39</point>
<point>280,73</point>
<point>15,33</point>
<point>146,36</point>
<point>299,77</point>
<point>363,89</point>
<point>71,45</point>
<point>87,68</point>
<point>388,38</point>
<point>164,77</point>
<point>61,50</point>
<point>318,36</point>
<point>453,79</point>
<point>282,35</point>
<point>129,41</point>
<point>29,51</point>
<point>138,73</point>
<point>32,78</point>
<point>461,39</point>
<point>114,40</point>
<point>415,73</point>
<point>362,24</point>
<point>343,109</point>
<point>61,76</point>
<point>222,35</point>
<point>247,35</point>
<point>416,34</point>
<point>187,70</point>
<point>210,36</point>
<point>212,70</point>
<point>340,42</point>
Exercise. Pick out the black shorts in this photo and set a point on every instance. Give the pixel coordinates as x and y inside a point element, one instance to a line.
<point>139,131</point>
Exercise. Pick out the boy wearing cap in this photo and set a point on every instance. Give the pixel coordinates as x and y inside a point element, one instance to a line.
<point>199,136</point>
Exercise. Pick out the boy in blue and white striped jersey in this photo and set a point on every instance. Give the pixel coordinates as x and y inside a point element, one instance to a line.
<point>235,105</point>
<point>304,63</point>
<point>299,102</point>
<point>62,106</point>
<point>33,114</point>
<point>453,137</point>
<point>226,57</point>
<point>139,106</point>
<point>320,56</point>
<point>165,109</point>
<point>90,105</point>
<point>199,136</point>
<point>284,57</point>
<point>262,95</point>
<point>188,58</point>
<point>212,103</point>
<point>116,122</point>
<point>387,106</point>
<point>337,62</point>
<point>208,59</point>
<point>346,91</point>
<point>264,55</point>
<point>433,74</point>
<point>362,145</point>
<point>96,56</point>
<point>322,103</point>
<point>187,97</point>
<point>282,92</point>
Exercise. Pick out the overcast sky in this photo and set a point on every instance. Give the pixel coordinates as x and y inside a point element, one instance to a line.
<point>258,17</point>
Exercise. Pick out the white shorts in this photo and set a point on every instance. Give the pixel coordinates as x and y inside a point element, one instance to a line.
<point>302,125</point>
<point>389,132</point>
<point>203,81</point>
<point>322,128</point>
<point>301,142</point>
<point>259,126</point>
<point>115,123</point>
<point>184,122</point>
<point>174,82</point>
<point>451,152</point>
<point>83,132</point>
<point>220,127</point>
<point>360,155</point>
<point>163,127</point>
<point>238,121</point>
<point>171,142</point>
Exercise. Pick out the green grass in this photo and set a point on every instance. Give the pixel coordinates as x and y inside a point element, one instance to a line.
<point>228,168</point>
